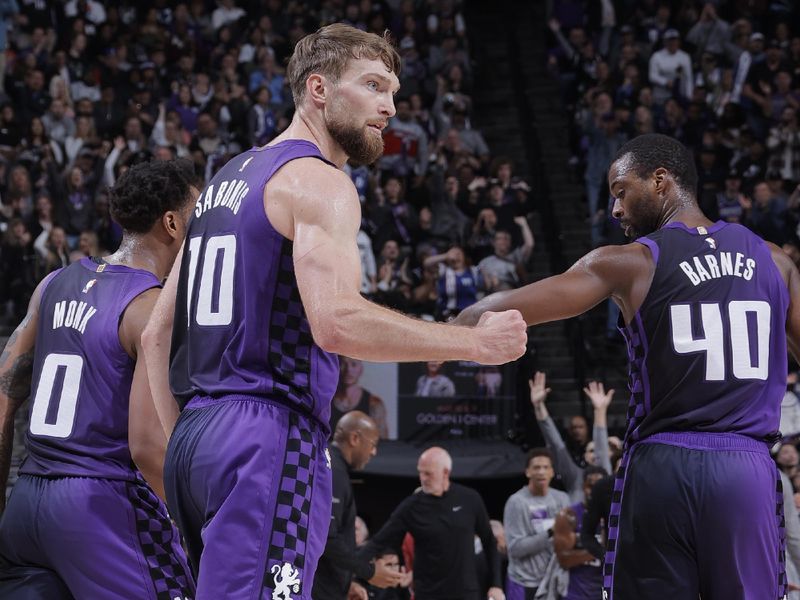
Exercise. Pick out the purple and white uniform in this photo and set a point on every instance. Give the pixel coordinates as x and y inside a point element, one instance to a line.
<point>80,508</point>
<point>246,473</point>
<point>695,509</point>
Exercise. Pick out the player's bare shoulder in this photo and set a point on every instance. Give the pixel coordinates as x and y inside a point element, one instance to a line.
<point>305,188</point>
<point>619,263</point>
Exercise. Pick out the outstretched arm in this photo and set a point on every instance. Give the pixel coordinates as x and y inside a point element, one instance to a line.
<point>16,369</point>
<point>317,207</point>
<point>621,272</point>
<point>156,340</point>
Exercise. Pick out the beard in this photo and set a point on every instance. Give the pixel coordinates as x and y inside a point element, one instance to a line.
<point>360,146</point>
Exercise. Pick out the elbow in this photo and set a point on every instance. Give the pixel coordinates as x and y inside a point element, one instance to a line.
<point>331,329</point>
<point>147,453</point>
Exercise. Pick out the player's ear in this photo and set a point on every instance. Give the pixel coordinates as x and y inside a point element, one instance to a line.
<point>172,224</point>
<point>317,87</point>
<point>660,178</point>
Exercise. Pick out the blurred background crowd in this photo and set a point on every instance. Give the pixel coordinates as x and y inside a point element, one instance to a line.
<point>89,87</point>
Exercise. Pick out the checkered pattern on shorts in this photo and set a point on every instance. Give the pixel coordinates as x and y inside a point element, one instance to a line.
<point>291,520</point>
<point>290,339</point>
<point>160,544</point>
<point>779,514</point>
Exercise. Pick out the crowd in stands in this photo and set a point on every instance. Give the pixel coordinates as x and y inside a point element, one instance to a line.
<point>723,77</point>
<point>90,87</point>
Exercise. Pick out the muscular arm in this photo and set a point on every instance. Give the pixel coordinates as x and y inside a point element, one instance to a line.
<point>623,273</point>
<point>146,436</point>
<point>156,340</point>
<point>317,207</point>
<point>16,369</point>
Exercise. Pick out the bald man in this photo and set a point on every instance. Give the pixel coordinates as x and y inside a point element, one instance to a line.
<point>443,518</point>
<point>355,442</point>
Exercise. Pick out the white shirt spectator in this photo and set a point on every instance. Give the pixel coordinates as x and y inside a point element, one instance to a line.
<point>368,268</point>
<point>665,67</point>
<point>96,13</point>
<point>227,13</point>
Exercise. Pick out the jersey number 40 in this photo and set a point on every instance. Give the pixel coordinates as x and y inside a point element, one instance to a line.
<point>748,321</point>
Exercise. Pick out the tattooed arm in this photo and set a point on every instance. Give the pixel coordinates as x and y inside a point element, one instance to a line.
<point>16,368</point>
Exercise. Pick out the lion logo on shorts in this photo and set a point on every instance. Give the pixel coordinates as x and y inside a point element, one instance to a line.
<point>286,580</point>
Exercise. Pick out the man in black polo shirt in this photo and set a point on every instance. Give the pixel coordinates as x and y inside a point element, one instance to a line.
<point>443,518</point>
<point>355,442</point>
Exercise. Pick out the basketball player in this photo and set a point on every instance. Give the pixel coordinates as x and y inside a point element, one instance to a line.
<point>707,308</point>
<point>80,509</point>
<point>267,295</point>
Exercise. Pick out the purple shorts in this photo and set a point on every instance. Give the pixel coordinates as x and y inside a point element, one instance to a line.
<point>249,484</point>
<point>696,514</point>
<point>101,538</point>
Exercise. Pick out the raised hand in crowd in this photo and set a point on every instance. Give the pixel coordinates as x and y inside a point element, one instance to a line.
<point>600,400</point>
<point>539,392</point>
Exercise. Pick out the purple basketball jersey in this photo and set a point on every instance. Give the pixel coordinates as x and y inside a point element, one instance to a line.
<point>708,345</point>
<point>240,327</point>
<point>81,374</point>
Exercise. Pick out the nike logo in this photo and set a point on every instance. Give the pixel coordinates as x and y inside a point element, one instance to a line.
<point>456,508</point>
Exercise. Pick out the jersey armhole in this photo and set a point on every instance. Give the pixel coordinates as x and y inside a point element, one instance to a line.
<point>652,246</point>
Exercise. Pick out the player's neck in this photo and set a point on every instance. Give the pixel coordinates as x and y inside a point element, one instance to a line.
<point>311,127</point>
<point>688,214</point>
<point>141,252</point>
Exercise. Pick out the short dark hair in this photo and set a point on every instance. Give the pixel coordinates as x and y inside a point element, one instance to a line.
<point>593,470</point>
<point>147,190</point>
<point>654,150</point>
<point>536,453</point>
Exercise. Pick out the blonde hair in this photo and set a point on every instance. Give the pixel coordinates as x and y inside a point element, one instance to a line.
<point>328,50</point>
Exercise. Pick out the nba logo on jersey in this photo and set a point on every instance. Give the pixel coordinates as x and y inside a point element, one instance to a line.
<point>712,242</point>
<point>89,285</point>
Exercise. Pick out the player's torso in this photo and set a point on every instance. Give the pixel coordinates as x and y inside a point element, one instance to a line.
<point>81,375</point>
<point>240,327</point>
<point>708,345</point>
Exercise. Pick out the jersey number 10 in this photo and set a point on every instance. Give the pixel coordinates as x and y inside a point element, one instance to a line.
<point>219,248</point>
<point>714,343</point>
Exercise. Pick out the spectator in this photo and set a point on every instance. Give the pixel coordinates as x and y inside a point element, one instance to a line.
<point>784,145</point>
<point>505,269</point>
<point>368,268</point>
<point>17,267</point>
<point>393,283</point>
<point>459,283</point>
<point>8,8</point>
<point>787,459</point>
<point>261,119</point>
<point>54,253</point>
<point>87,246</point>
<point>577,438</point>
<point>434,384</point>
<point>790,408</point>
<point>443,518</point>
<point>528,519</point>
<point>226,13</point>
<point>355,442</point>
<point>405,151</point>
<point>570,473</point>
<point>671,70</point>
<point>766,214</point>
<point>585,571</point>
<point>710,33</point>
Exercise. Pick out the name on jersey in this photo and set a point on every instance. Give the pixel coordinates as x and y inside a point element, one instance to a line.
<point>72,314</point>
<point>709,266</point>
<point>227,193</point>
